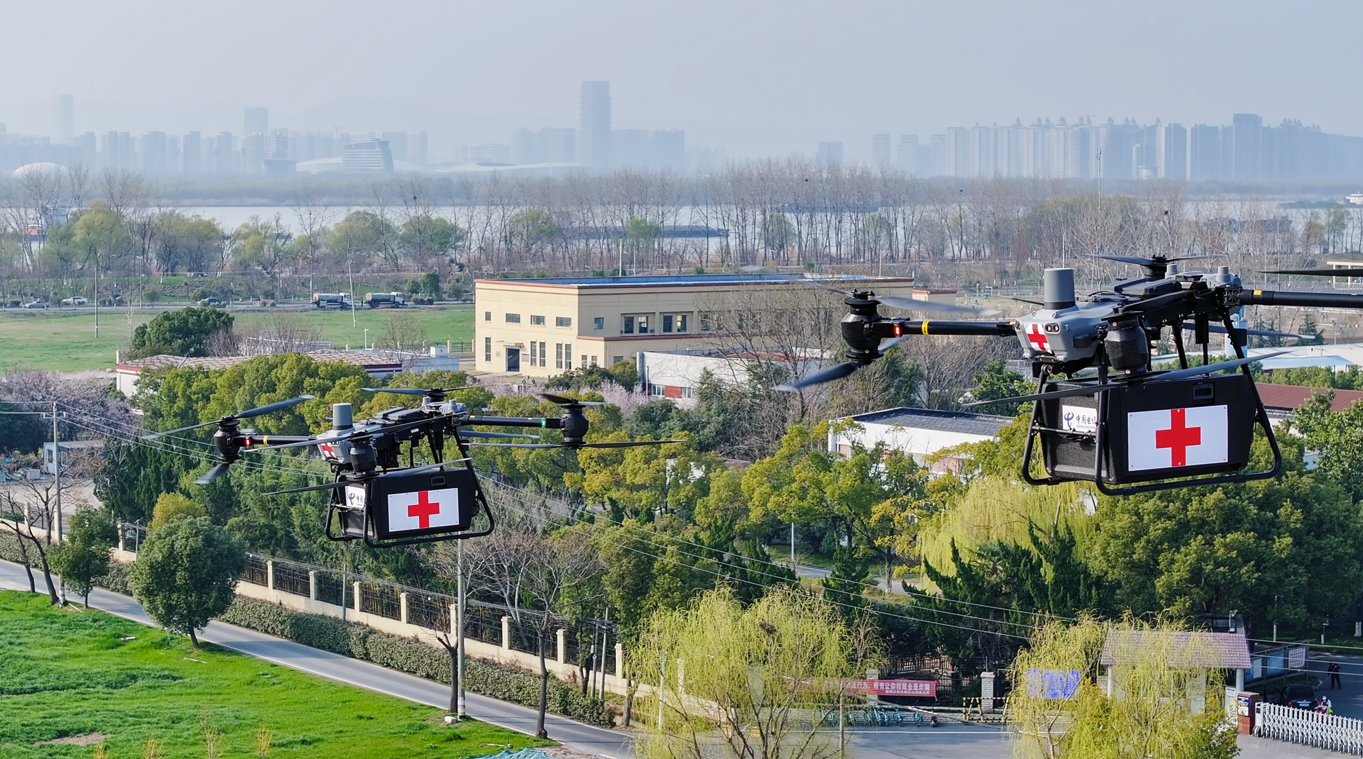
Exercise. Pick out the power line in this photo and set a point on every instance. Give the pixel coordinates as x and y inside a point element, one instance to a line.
<point>920,594</point>
<point>835,602</point>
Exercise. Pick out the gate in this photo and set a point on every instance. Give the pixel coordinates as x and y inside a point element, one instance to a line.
<point>1305,728</point>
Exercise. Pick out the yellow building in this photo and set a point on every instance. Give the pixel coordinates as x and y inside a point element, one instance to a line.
<point>544,327</point>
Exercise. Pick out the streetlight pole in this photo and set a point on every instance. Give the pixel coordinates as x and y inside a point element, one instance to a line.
<point>459,624</point>
<point>350,270</point>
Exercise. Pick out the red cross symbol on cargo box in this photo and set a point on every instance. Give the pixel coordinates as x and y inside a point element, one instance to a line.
<point>1178,438</point>
<point>1038,338</point>
<point>424,508</point>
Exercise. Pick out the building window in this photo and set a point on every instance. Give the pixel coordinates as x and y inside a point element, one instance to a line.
<point>558,355</point>
<point>487,316</point>
<point>536,321</point>
<point>599,322</point>
<point>616,359</point>
<point>563,321</point>
<point>583,360</point>
<point>593,360</point>
<point>674,323</point>
<point>642,324</point>
<point>628,322</point>
<point>544,354</point>
<point>567,356</point>
<point>487,349</point>
<point>534,353</point>
<point>513,318</point>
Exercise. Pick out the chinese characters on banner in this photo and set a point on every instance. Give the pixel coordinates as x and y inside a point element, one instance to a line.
<point>907,688</point>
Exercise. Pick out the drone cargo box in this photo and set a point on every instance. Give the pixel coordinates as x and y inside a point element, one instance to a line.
<point>401,506</point>
<point>1150,431</point>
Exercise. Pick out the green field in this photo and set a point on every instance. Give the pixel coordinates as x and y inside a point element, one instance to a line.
<point>64,340</point>
<point>66,673</point>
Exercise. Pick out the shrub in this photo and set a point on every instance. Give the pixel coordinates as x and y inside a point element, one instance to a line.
<point>500,681</point>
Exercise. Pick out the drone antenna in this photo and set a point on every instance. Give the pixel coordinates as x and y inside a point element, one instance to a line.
<point>1057,287</point>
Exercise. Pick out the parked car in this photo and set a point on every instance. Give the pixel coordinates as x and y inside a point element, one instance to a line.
<point>213,303</point>
<point>76,301</point>
<point>1300,695</point>
<point>36,304</point>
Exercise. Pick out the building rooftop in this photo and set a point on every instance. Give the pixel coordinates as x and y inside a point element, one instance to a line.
<point>962,422</point>
<point>1184,649</point>
<point>1289,397</point>
<point>688,279</point>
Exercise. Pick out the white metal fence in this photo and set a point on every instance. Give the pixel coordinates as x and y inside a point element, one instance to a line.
<point>1306,728</point>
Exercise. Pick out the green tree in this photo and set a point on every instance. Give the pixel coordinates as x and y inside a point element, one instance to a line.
<point>172,506</point>
<point>84,555</point>
<point>262,245</point>
<point>752,669</point>
<point>183,332</point>
<point>185,574</point>
<point>529,230</point>
<point>422,237</point>
<point>1211,550</point>
<point>362,236</point>
<point>1160,706</point>
<point>192,243</point>
<point>129,477</point>
<point>997,381</point>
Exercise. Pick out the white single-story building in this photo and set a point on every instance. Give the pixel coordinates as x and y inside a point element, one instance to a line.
<point>918,432</point>
<point>677,374</point>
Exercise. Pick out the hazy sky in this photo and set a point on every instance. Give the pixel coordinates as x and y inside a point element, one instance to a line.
<point>759,77</point>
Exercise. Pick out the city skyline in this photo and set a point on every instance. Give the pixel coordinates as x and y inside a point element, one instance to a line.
<point>762,79</point>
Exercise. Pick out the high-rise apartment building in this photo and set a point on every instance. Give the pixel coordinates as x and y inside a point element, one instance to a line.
<point>594,128</point>
<point>154,153</point>
<point>84,149</point>
<point>253,152</point>
<point>907,159</point>
<point>191,152</point>
<point>419,148</point>
<point>397,144</point>
<point>257,121</point>
<point>1204,153</point>
<point>880,151</point>
<point>829,153</point>
<point>1247,146</point>
<point>225,154</point>
<point>1171,151</point>
<point>65,117</point>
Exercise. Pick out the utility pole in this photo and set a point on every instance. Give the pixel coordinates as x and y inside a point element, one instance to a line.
<point>350,270</point>
<point>57,470</point>
<point>459,623</point>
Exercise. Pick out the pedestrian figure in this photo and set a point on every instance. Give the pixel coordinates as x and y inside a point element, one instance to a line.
<point>1333,669</point>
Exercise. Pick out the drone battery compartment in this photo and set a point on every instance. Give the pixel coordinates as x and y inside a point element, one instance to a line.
<point>405,506</point>
<point>1069,430</point>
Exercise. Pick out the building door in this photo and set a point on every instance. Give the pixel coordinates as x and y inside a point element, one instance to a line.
<point>513,359</point>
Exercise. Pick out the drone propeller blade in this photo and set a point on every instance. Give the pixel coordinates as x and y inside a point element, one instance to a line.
<point>1024,300</point>
<point>516,445</point>
<point>820,285</point>
<point>417,390</point>
<point>271,407</point>
<point>627,444</point>
<point>1066,393</point>
<point>217,471</point>
<point>299,444</point>
<point>562,401</point>
<point>481,434</point>
<point>1196,371</point>
<point>891,342</point>
<point>311,488</point>
<point>1220,330</point>
<point>163,433</point>
<point>425,468</point>
<point>827,375</point>
<point>1352,272</point>
<point>909,304</point>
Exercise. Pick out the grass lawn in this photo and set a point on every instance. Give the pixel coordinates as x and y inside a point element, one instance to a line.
<point>64,340</point>
<point>67,673</point>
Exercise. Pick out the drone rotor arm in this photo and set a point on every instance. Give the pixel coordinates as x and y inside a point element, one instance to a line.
<point>549,423</point>
<point>936,327</point>
<point>1308,300</point>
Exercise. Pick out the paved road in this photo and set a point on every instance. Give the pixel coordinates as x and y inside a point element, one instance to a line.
<point>574,735</point>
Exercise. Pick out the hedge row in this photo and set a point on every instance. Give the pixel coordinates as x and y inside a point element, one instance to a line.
<point>500,681</point>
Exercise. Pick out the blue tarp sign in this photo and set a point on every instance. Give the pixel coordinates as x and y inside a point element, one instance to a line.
<point>1054,684</point>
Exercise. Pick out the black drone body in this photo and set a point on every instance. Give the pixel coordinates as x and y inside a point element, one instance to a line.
<point>1102,412</point>
<point>375,496</point>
